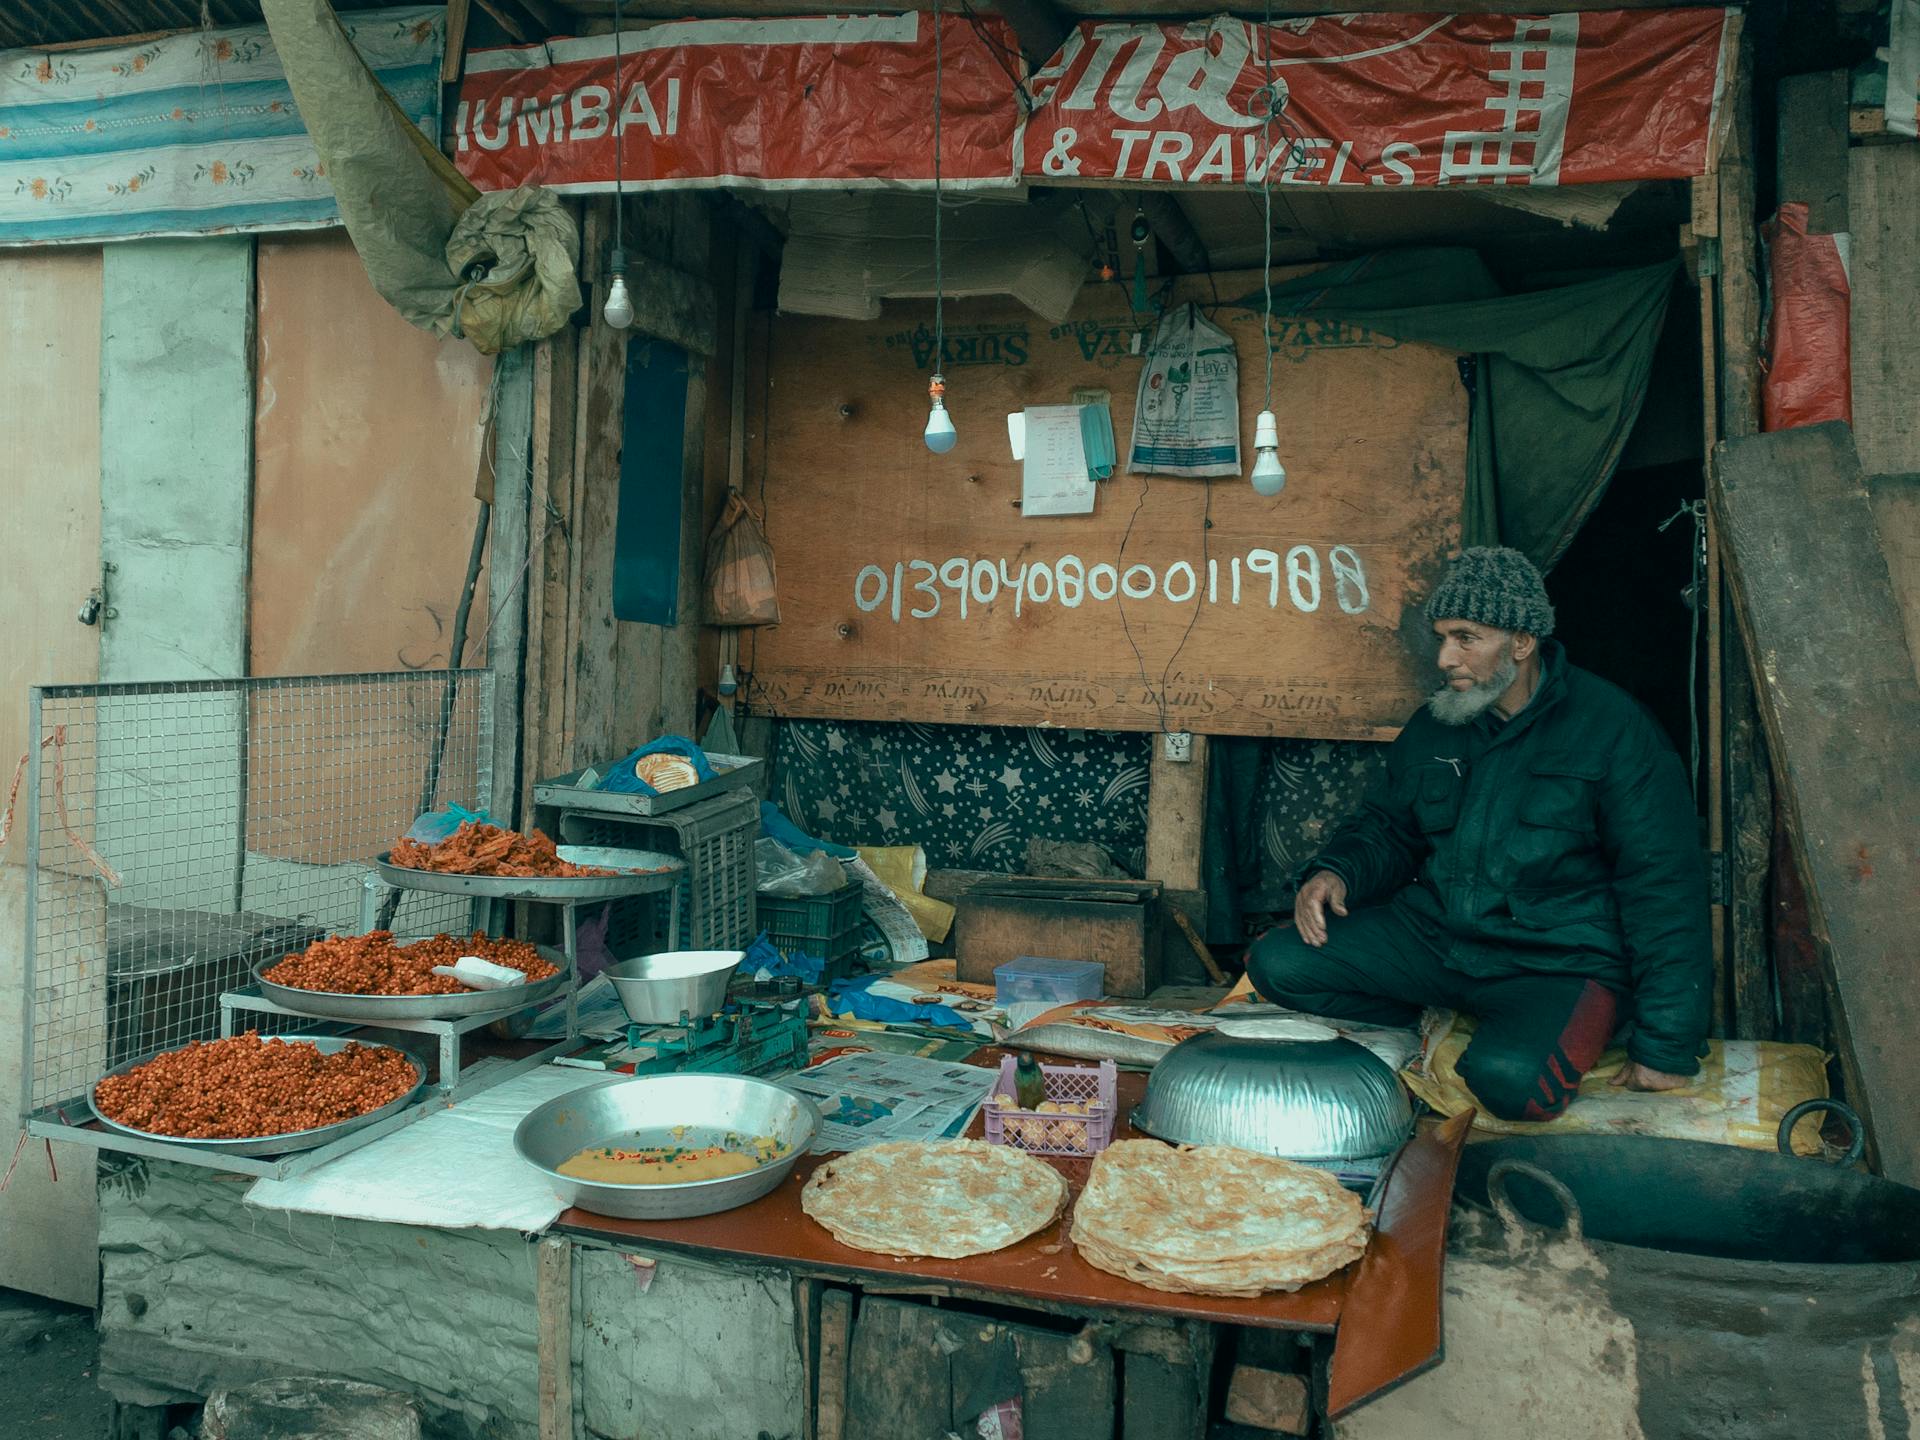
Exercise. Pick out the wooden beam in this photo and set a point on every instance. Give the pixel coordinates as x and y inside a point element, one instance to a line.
<point>1811,148</point>
<point>553,1296</point>
<point>1842,711</point>
<point>1884,199</point>
<point>508,21</point>
<point>454,60</point>
<point>550,17</point>
<point>1740,796</point>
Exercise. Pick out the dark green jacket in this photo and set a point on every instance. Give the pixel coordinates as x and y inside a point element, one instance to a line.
<point>1562,841</point>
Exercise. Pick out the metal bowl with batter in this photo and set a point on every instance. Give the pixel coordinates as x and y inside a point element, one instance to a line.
<point>685,1110</point>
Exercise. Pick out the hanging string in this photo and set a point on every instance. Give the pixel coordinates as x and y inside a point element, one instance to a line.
<point>1266,193</point>
<point>619,136</point>
<point>939,287</point>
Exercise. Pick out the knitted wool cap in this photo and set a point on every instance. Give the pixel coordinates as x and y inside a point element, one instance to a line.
<point>1494,586</point>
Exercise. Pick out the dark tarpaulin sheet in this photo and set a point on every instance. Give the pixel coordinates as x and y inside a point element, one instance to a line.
<point>1559,376</point>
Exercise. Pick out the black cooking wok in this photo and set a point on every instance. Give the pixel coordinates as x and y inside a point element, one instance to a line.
<point>1692,1198</point>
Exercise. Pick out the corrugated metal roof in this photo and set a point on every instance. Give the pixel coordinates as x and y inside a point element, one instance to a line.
<point>25,23</point>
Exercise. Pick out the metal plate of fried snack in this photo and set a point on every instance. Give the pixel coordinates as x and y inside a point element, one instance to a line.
<point>372,1009</point>
<point>274,1144</point>
<point>641,871</point>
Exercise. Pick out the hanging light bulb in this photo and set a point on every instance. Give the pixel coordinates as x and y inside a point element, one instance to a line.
<point>1269,475</point>
<point>939,434</point>
<point>729,682</point>
<point>619,307</point>
<point>618,311</point>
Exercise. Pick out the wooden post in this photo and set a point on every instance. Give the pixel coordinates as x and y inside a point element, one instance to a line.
<point>1176,832</point>
<point>1739,797</point>
<point>836,1340</point>
<point>507,573</point>
<point>1743,843</point>
<point>553,1296</point>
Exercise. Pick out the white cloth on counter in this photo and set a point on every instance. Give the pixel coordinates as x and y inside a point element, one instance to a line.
<point>454,1170</point>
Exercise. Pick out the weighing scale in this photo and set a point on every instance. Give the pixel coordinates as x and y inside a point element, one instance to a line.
<point>750,1036</point>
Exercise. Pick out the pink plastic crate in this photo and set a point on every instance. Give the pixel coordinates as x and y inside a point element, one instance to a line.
<point>1075,1136</point>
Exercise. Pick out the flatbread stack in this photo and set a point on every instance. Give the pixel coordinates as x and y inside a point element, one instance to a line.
<point>666,772</point>
<point>946,1199</point>
<point>1214,1220</point>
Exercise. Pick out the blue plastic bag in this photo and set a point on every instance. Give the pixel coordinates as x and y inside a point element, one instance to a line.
<point>623,780</point>
<point>438,825</point>
<point>776,826</point>
<point>764,961</point>
<point>850,997</point>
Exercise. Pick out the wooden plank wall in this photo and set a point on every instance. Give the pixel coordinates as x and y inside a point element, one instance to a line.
<point>597,686</point>
<point>1883,198</point>
<point>1896,511</point>
<point>1374,437</point>
<point>1842,708</point>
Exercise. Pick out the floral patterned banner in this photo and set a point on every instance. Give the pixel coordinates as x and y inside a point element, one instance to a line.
<point>190,134</point>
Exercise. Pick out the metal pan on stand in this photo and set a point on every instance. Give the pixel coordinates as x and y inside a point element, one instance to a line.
<point>372,1009</point>
<point>274,1144</point>
<point>641,872</point>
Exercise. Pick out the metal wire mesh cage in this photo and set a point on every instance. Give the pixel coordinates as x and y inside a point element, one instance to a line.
<point>182,832</point>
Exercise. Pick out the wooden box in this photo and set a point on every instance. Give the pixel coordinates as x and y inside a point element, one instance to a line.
<point>1113,922</point>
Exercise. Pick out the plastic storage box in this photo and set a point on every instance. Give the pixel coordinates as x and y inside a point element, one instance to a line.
<point>1061,981</point>
<point>715,837</point>
<point>824,925</point>
<point>1043,1133</point>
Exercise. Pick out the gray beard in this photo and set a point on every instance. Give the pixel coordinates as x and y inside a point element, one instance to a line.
<point>1463,707</point>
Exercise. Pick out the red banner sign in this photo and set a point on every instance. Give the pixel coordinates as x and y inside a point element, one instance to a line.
<point>844,102</point>
<point>836,102</point>
<point>1382,100</point>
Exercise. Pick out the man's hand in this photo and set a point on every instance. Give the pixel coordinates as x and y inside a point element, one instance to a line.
<point>1324,888</point>
<point>1635,1076</point>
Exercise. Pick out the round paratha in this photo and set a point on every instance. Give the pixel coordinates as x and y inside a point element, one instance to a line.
<point>1214,1220</point>
<point>946,1199</point>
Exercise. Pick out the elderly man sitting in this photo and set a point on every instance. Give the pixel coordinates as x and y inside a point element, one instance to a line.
<point>1533,859</point>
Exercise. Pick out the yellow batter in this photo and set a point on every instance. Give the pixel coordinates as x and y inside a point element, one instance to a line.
<point>668,1164</point>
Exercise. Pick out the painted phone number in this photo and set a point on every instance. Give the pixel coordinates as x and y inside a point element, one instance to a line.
<point>922,590</point>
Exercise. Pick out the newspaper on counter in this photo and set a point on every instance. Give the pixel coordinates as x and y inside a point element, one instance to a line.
<point>892,919</point>
<point>870,1098</point>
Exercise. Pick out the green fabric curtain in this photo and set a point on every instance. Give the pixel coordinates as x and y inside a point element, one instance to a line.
<point>1560,375</point>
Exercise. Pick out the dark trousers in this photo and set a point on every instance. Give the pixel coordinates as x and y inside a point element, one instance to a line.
<point>1538,1034</point>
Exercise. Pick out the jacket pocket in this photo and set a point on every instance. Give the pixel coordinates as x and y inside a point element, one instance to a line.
<point>1436,799</point>
<point>1563,910</point>
<point>1560,792</point>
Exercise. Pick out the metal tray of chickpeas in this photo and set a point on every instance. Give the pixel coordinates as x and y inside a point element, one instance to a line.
<point>371,1007</point>
<point>284,1142</point>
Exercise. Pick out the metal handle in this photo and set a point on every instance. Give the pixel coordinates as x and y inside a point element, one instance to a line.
<point>1510,1217</point>
<point>1838,1107</point>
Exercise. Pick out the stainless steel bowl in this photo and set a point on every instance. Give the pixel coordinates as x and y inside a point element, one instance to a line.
<point>1316,1101</point>
<point>667,1110</point>
<point>659,989</point>
<point>293,1140</point>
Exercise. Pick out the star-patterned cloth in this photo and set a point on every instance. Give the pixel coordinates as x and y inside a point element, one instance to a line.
<point>973,796</point>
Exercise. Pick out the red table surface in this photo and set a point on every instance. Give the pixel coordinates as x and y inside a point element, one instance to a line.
<point>1046,1267</point>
